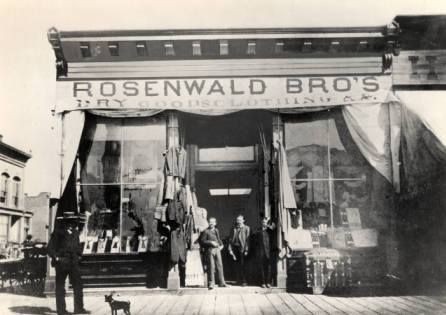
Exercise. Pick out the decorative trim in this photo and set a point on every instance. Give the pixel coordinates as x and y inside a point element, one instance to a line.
<point>12,161</point>
<point>61,63</point>
<point>387,62</point>
<point>227,67</point>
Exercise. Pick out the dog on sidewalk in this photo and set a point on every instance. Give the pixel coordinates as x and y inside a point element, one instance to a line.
<point>116,305</point>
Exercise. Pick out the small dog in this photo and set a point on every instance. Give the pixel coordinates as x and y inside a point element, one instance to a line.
<point>117,305</point>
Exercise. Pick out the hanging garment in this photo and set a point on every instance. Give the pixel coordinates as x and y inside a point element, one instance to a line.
<point>171,210</point>
<point>189,201</point>
<point>169,190</point>
<point>175,211</point>
<point>182,162</point>
<point>182,197</point>
<point>194,266</point>
<point>200,218</point>
<point>188,229</point>
<point>176,162</point>
<point>160,196</point>
<point>177,246</point>
<point>194,200</point>
<point>160,213</point>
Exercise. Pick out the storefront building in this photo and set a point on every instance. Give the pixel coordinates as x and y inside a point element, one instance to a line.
<point>164,129</point>
<point>15,220</point>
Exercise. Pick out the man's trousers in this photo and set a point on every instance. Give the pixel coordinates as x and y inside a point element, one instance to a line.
<point>73,272</point>
<point>214,264</point>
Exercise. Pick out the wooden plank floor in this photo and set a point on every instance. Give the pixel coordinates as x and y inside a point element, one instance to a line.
<point>227,303</point>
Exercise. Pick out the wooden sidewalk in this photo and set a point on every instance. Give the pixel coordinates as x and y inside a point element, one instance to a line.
<point>219,302</point>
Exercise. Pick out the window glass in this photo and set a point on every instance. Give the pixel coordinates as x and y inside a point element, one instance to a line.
<point>306,147</point>
<point>120,179</point>
<point>330,177</point>
<point>139,202</point>
<point>4,188</point>
<point>143,146</point>
<point>16,192</point>
<point>103,204</point>
<point>313,200</point>
<point>102,147</point>
<point>227,154</point>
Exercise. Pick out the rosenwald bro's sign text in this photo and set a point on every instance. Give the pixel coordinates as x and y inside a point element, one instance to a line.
<point>221,93</point>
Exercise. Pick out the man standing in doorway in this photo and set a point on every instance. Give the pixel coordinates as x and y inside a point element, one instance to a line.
<point>65,251</point>
<point>239,246</point>
<point>263,245</point>
<point>210,240</point>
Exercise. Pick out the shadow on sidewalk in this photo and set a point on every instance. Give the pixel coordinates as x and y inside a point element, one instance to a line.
<point>34,310</point>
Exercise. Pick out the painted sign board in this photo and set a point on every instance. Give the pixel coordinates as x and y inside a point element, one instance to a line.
<point>234,93</point>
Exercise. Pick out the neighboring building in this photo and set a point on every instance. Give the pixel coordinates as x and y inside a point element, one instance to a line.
<point>15,220</point>
<point>39,206</point>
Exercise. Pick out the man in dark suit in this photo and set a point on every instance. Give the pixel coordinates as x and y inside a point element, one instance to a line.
<point>239,247</point>
<point>65,250</point>
<point>263,245</point>
<point>211,242</point>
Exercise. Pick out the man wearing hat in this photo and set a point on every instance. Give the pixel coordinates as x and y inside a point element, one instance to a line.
<point>65,251</point>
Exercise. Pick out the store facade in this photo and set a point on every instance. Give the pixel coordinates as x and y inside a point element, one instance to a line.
<point>164,129</point>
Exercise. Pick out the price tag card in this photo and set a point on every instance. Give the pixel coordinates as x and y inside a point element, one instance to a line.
<point>116,245</point>
<point>101,245</point>
<point>142,245</point>
<point>88,245</point>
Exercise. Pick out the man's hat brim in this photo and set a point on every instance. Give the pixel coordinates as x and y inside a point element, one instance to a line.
<point>68,216</point>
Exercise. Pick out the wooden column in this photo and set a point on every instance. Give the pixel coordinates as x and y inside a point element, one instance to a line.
<point>173,140</point>
<point>281,263</point>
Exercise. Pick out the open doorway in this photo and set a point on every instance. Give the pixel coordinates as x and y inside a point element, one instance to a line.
<point>225,195</point>
<point>226,166</point>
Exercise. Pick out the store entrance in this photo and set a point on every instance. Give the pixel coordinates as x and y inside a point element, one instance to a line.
<point>226,168</point>
<point>225,195</point>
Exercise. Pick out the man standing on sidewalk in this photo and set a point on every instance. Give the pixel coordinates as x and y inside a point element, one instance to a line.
<point>65,251</point>
<point>239,246</point>
<point>210,240</point>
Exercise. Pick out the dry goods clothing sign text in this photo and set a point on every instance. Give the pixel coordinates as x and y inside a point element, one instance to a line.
<point>221,93</point>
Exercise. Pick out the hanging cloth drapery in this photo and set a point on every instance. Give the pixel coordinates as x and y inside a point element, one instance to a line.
<point>423,143</point>
<point>375,130</point>
<point>72,127</point>
<point>286,195</point>
<point>429,107</point>
<point>125,113</point>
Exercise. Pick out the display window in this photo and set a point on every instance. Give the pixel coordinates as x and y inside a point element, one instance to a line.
<point>331,181</point>
<point>119,181</point>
